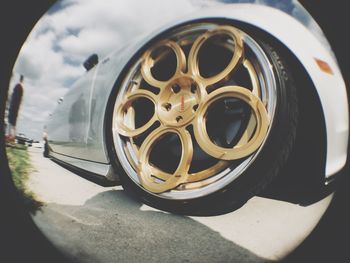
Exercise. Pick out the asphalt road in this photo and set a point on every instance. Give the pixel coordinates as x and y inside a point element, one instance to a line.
<point>91,223</point>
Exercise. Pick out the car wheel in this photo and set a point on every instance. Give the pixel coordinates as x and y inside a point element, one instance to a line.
<point>203,119</point>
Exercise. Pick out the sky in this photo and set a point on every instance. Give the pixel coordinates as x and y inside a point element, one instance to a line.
<point>52,56</point>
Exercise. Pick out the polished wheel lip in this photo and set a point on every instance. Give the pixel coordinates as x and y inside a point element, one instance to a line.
<point>194,190</point>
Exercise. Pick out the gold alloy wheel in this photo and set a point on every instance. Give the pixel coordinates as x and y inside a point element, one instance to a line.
<point>182,88</point>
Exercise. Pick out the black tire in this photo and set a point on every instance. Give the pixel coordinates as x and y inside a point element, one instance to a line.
<point>268,164</point>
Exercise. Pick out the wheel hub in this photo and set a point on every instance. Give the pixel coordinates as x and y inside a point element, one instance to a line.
<point>178,102</point>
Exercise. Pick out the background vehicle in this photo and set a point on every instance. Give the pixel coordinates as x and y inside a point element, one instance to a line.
<point>22,139</point>
<point>205,111</point>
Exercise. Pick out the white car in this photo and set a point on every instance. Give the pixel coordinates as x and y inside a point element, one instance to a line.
<point>202,113</point>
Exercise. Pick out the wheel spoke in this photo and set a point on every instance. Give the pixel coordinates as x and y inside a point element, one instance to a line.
<point>193,177</point>
<point>243,149</point>
<point>145,169</point>
<point>187,152</point>
<point>150,175</point>
<point>236,46</point>
<point>160,174</point>
<point>124,121</point>
<point>149,62</point>
<point>204,174</point>
<point>248,133</point>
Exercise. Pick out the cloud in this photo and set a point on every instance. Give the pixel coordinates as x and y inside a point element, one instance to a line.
<point>52,56</point>
<point>87,42</point>
<point>30,67</point>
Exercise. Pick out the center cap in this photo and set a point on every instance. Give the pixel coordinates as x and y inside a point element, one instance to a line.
<point>182,101</point>
<point>178,102</point>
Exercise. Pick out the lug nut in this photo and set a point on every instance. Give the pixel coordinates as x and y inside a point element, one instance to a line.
<point>176,88</point>
<point>179,118</point>
<point>166,106</point>
<point>193,88</point>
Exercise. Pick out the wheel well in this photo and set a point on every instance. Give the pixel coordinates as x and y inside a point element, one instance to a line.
<point>311,143</point>
<point>308,159</point>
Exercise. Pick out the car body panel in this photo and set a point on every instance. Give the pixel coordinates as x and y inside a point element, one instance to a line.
<point>295,29</point>
<point>68,132</point>
<point>92,167</point>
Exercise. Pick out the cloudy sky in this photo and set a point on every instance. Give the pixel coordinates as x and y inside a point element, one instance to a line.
<point>52,56</point>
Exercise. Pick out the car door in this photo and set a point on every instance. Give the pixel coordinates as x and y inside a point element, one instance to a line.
<point>69,123</point>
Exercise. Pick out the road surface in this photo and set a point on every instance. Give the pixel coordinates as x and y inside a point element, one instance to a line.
<point>91,223</point>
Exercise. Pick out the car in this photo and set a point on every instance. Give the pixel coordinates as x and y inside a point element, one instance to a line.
<point>204,112</point>
<point>22,139</point>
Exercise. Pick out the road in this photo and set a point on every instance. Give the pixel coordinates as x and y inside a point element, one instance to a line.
<point>91,223</point>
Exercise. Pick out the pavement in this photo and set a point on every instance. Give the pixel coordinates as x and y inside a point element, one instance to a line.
<point>91,223</point>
